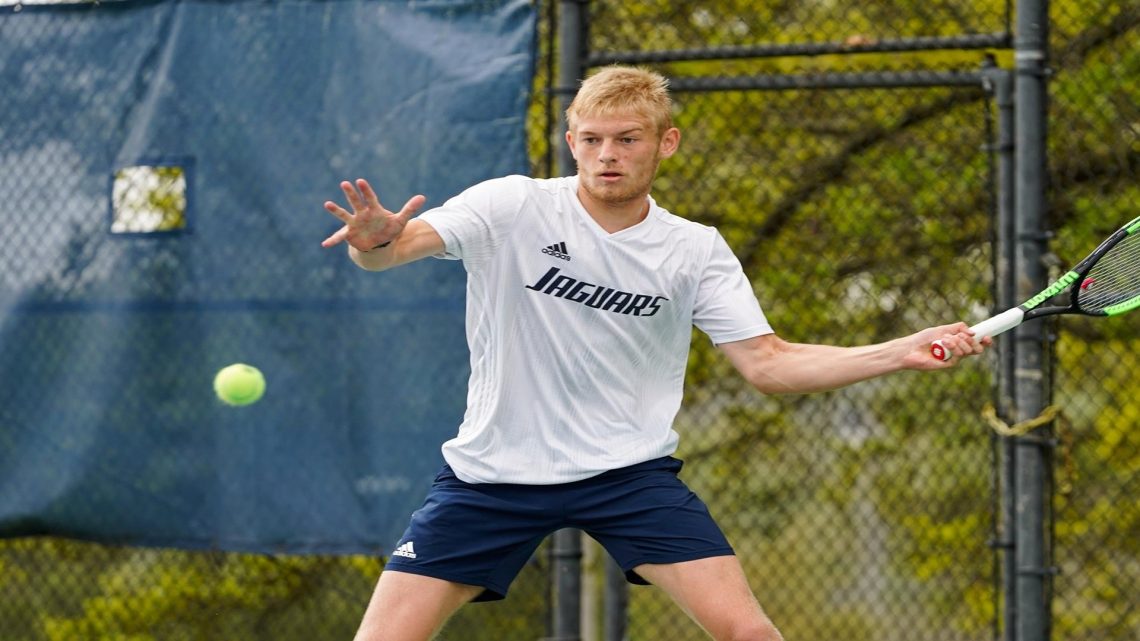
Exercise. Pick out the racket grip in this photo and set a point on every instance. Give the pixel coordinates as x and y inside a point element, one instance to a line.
<point>992,326</point>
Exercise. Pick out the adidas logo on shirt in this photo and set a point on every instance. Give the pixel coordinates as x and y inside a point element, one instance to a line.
<point>557,250</point>
<point>407,550</point>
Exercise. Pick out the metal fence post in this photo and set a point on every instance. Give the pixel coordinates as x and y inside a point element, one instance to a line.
<point>1000,83</point>
<point>615,615</point>
<point>1033,455</point>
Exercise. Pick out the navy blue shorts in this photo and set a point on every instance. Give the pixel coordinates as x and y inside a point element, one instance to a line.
<point>482,534</point>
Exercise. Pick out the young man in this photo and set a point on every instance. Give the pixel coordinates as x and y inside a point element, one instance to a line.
<point>581,296</point>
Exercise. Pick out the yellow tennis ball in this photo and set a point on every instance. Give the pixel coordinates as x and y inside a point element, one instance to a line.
<point>239,384</point>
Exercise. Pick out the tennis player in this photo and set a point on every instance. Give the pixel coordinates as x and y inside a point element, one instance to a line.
<point>581,296</point>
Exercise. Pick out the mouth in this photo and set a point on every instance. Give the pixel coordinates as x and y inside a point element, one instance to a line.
<point>610,176</point>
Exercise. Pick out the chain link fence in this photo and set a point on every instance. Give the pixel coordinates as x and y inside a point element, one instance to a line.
<point>862,213</point>
<point>1094,156</point>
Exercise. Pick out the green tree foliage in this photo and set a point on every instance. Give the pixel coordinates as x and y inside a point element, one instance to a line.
<point>61,590</point>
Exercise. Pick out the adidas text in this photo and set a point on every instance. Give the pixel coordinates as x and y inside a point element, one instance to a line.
<point>557,250</point>
<point>406,550</point>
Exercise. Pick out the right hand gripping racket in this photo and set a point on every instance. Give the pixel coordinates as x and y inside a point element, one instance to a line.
<point>1106,283</point>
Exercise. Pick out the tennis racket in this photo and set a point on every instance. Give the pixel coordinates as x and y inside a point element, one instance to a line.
<point>1106,283</point>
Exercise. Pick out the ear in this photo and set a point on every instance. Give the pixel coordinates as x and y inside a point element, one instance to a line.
<point>570,143</point>
<point>670,141</point>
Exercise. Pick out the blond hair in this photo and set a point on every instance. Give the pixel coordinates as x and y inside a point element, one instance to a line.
<point>624,90</point>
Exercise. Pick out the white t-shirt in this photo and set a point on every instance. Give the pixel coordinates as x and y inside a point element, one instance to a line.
<point>579,338</point>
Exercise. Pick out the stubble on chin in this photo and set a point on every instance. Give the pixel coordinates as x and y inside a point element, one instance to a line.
<point>615,197</point>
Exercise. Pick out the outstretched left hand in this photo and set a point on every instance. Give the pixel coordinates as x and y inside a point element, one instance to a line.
<point>369,224</point>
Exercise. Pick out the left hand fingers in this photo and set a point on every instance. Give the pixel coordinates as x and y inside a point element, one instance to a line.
<point>337,237</point>
<point>339,212</point>
<point>370,197</point>
<point>410,208</point>
<point>353,196</point>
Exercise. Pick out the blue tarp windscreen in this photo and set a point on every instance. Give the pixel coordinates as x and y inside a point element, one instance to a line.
<point>109,340</point>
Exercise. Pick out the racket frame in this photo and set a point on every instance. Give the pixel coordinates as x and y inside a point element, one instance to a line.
<point>1071,280</point>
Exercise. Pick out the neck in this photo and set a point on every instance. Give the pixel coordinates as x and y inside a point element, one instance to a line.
<point>615,216</point>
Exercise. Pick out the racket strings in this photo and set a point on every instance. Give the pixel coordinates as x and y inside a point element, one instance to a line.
<point>1114,279</point>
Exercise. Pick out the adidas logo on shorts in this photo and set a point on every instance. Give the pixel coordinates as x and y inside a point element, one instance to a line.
<point>406,550</point>
<point>557,250</point>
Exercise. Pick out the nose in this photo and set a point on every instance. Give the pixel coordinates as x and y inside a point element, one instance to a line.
<point>608,152</point>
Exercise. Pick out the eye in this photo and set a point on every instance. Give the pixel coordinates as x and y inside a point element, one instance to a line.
<point>629,140</point>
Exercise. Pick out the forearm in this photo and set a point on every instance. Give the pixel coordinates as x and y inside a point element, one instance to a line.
<point>417,240</point>
<point>794,368</point>
<point>775,366</point>
<point>376,260</point>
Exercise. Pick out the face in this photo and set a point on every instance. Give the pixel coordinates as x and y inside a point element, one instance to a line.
<point>618,156</point>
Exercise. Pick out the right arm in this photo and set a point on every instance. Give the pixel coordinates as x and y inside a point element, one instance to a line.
<point>370,225</point>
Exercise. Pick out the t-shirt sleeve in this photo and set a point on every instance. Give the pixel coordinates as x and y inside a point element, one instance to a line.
<point>474,223</point>
<point>726,308</point>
